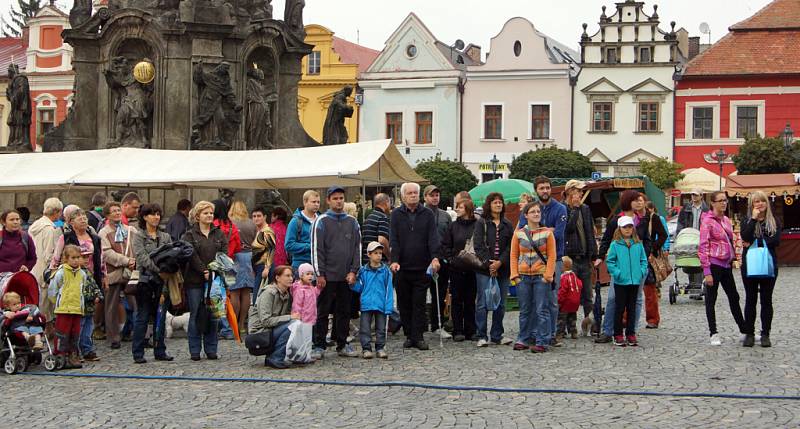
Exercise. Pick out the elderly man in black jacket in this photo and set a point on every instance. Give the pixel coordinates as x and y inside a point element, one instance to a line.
<point>415,247</point>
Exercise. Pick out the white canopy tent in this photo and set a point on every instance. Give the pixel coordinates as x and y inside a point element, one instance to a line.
<point>352,165</point>
<point>698,178</point>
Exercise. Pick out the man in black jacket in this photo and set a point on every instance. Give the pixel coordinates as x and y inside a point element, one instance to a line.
<point>443,221</point>
<point>415,247</point>
<point>580,243</point>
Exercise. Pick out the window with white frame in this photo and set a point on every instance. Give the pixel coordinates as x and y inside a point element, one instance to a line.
<point>649,117</point>
<point>703,122</point>
<point>45,121</point>
<point>540,122</point>
<point>603,117</point>
<point>314,59</point>
<point>746,121</point>
<point>493,121</point>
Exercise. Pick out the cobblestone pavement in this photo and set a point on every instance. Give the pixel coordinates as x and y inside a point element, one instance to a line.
<point>673,359</point>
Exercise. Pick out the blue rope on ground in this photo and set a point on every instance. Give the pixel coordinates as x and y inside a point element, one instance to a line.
<point>409,384</point>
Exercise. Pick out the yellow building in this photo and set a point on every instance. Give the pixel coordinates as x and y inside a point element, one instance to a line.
<point>332,64</point>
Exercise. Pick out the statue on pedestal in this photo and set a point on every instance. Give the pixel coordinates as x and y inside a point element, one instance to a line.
<point>293,16</point>
<point>334,131</point>
<point>218,115</point>
<point>259,111</point>
<point>19,118</point>
<point>133,104</point>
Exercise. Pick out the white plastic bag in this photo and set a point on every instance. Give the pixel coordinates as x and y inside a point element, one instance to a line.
<point>298,349</point>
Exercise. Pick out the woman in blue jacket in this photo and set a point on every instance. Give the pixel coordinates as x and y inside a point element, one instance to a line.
<point>627,264</point>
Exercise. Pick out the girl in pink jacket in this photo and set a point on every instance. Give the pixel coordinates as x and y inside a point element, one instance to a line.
<point>304,295</point>
<point>716,255</point>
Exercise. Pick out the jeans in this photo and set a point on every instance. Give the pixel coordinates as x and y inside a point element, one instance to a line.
<point>335,298</point>
<point>482,312</point>
<point>129,304</point>
<point>412,287</point>
<point>365,330</point>
<point>462,307</point>
<point>753,288</point>
<point>582,266</point>
<point>533,295</point>
<point>259,271</point>
<point>441,294</point>
<point>148,303</point>
<point>608,321</point>
<point>280,336</point>
<point>87,328</point>
<point>626,297</point>
<point>554,298</point>
<point>723,276</point>
<point>198,340</point>
<point>225,329</point>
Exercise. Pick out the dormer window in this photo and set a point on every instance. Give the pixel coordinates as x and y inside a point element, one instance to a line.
<point>645,55</point>
<point>611,55</point>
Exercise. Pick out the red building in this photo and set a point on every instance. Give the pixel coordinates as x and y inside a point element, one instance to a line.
<point>748,83</point>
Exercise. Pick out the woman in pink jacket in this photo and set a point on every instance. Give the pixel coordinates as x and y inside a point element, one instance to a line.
<point>716,254</point>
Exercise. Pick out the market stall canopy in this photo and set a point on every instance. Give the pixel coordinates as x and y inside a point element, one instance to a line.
<point>510,188</point>
<point>778,184</point>
<point>611,187</point>
<point>366,163</point>
<point>698,178</point>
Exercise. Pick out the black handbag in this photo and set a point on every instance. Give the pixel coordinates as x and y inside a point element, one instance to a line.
<point>204,316</point>
<point>258,344</point>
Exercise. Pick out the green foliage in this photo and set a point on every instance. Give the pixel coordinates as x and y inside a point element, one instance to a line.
<point>17,16</point>
<point>767,155</point>
<point>551,162</point>
<point>450,177</point>
<point>662,172</point>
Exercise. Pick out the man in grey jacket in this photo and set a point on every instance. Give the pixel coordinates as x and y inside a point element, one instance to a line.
<point>336,257</point>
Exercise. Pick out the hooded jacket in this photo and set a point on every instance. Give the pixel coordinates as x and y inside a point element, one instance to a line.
<point>375,287</point>
<point>716,242</point>
<point>627,265</point>
<point>298,243</point>
<point>335,246</point>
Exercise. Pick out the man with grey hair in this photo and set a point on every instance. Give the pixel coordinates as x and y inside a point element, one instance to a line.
<point>45,234</point>
<point>415,248</point>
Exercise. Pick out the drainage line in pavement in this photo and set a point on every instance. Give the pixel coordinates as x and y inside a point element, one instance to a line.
<point>409,384</point>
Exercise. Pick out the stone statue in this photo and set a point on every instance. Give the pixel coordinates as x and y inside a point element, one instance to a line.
<point>218,115</point>
<point>19,118</point>
<point>133,105</point>
<point>259,111</point>
<point>293,16</point>
<point>81,11</point>
<point>334,131</point>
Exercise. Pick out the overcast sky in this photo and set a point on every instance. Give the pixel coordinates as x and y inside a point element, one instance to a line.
<point>371,22</point>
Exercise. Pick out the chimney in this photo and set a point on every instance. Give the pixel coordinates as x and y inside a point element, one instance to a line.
<point>474,52</point>
<point>694,47</point>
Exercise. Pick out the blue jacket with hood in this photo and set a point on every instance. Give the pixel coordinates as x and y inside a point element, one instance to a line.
<point>375,287</point>
<point>298,245</point>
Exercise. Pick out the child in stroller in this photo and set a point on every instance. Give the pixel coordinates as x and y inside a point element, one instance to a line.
<point>20,323</point>
<point>25,320</point>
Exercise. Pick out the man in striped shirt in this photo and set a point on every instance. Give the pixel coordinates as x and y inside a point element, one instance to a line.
<point>376,226</point>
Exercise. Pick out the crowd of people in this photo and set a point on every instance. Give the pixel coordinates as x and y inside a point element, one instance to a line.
<point>112,272</point>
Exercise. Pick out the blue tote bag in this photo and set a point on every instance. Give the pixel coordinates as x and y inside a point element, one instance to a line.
<point>759,261</point>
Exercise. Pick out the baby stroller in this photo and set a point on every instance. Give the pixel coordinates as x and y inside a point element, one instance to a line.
<point>685,251</point>
<point>16,354</point>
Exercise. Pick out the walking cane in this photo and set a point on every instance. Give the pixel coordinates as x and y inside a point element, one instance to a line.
<point>435,277</point>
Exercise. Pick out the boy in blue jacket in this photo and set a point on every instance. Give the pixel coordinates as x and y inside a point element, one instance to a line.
<point>374,283</point>
<point>627,263</point>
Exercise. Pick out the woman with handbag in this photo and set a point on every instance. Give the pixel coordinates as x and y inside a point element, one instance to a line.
<point>270,317</point>
<point>533,265</point>
<point>458,248</point>
<point>716,253</point>
<point>120,260</point>
<point>207,240</point>
<point>659,267</point>
<point>761,234</point>
<point>150,286</point>
<point>493,249</point>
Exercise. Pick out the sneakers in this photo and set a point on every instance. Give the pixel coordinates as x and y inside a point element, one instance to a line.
<point>445,335</point>
<point>520,346</point>
<point>765,341</point>
<point>483,343</point>
<point>619,340</point>
<point>317,353</point>
<point>538,349</point>
<point>422,345</point>
<point>139,360</point>
<point>212,356</point>
<point>195,358</point>
<point>347,351</point>
<point>381,354</point>
<point>276,365</point>
<point>632,341</point>
<point>91,357</point>
<point>603,339</point>
<point>366,354</point>
<point>459,338</point>
<point>651,326</point>
<point>749,341</point>
<point>503,341</point>
<point>716,340</point>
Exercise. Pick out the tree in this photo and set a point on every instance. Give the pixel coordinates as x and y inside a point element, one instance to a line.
<point>450,177</point>
<point>17,18</point>
<point>551,162</point>
<point>662,172</point>
<point>766,155</point>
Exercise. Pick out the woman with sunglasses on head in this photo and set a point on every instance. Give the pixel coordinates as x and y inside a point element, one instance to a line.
<point>716,254</point>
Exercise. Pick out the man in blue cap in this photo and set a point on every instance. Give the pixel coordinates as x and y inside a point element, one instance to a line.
<point>336,257</point>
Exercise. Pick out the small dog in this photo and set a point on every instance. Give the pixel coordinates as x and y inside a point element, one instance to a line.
<point>586,326</point>
<point>176,323</point>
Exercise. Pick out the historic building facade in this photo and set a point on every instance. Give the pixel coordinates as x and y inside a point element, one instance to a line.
<point>519,100</point>
<point>333,64</point>
<point>413,93</point>
<point>624,94</point>
<point>746,84</point>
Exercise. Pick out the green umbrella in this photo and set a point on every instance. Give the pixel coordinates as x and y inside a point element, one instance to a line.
<point>510,188</point>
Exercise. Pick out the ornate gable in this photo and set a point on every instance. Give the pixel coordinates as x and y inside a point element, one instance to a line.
<point>412,47</point>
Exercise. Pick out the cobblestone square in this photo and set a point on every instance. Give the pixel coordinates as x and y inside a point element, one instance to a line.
<point>613,387</point>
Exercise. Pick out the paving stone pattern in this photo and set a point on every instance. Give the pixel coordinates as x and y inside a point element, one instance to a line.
<point>673,359</point>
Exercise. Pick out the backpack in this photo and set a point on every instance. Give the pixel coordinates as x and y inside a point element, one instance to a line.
<point>23,236</point>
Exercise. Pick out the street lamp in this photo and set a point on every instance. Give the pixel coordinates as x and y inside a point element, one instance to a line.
<point>788,137</point>
<point>720,156</point>
<point>495,163</point>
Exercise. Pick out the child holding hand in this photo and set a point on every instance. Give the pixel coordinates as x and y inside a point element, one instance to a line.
<point>304,295</point>
<point>374,283</point>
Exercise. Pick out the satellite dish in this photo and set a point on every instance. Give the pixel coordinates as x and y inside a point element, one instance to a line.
<point>704,28</point>
<point>459,44</point>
